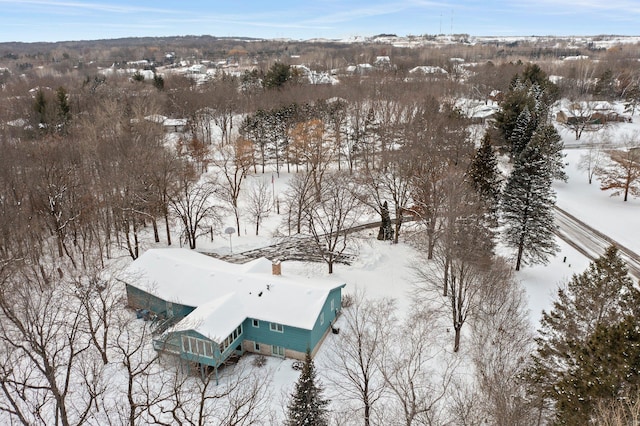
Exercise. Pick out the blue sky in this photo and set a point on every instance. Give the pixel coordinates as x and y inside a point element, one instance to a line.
<point>57,20</point>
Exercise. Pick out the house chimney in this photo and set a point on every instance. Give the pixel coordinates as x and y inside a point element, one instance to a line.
<point>276,268</point>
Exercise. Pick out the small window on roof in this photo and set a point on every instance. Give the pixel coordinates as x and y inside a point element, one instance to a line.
<point>256,323</point>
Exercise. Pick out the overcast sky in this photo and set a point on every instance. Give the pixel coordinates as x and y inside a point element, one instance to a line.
<point>58,20</point>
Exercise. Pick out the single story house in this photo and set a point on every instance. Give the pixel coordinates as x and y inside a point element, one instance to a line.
<point>597,113</point>
<point>220,309</point>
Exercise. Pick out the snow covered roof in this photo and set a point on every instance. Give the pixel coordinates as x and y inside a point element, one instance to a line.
<point>224,294</point>
<point>575,58</point>
<point>19,122</point>
<point>175,122</point>
<point>156,118</point>
<point>427,69</point>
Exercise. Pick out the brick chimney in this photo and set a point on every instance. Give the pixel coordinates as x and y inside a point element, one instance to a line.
<point>276,268</point>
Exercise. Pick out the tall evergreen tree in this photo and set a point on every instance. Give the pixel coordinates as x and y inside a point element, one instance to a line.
<point>307,406</point>
<point>550,143</point>
<point>527,208</point>
<point>64,109</point>
<point>485,177</point>
<point>533,91</point>
<point>40,108</point>
<point>605,369</point>
<point>522,132</point>
<point>588,328</point>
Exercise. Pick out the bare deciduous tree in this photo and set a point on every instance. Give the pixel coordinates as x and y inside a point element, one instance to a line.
<point>233,162</point>
<point>260,202</point>
<point>582,115</point>
<point>408,365</point>
<point>298,197</point>
<point>356,355</point>
<point>590,161</point>
<point>622,170</point>
<point>393,182</point>
<point>193,205</point>
<point>330,217</point>
<point>48,373</point>
<point>502,341</point>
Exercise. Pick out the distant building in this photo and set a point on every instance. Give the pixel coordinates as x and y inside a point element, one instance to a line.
<point>197,69</point>
<point>382,61</point>
<point>427,69</point>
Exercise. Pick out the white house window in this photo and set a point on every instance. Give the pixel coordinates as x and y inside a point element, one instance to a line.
<point>322,318</point>
<point>256,346</point>
<point>231,338</point>
<point>196,346</point>
<point>333,308</point>
<point>276,327</point>
<point>256,323</point>
<point>277,350</point>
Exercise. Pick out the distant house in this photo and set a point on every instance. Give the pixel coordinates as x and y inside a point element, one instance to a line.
<point>481,114</point>
<point>215,310</point>
<point>359,69</point>
<point>197,69</point>
<point>427,69</point>
<point>427,72</point>
<point>175,125</point>
<point>382,62</point>
<point>315,77</point>
<point>170,125</point>
<point>596,113</point>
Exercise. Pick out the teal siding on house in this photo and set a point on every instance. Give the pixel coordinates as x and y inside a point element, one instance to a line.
<point>173,343</point>
<point>291,338</point>
<point>294,338</point>
<point>327,314</point>
<point>140,299</point>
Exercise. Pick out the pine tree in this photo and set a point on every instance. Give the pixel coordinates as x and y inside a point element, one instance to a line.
<point>277,76</point>
<point>40,107</point>
<point>484,177</point>
<point>522,132</point>
<point>307,406</point>
<point>550,143</point>
<point>606,369</point>
<point>158,81</point>
<point>533,91</point>
<point>64,109</point>
<point>386,230</point>
<point>527,208</point>
<point>585,332</point>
